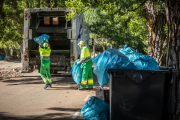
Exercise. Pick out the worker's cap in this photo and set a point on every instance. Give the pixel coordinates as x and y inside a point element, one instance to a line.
<point>45,45</point>
<point>81,43</point>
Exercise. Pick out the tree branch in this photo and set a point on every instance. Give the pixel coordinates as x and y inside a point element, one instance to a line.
<point>139,6</point>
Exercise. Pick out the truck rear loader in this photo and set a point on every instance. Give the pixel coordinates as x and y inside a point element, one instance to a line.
<point>64,36</point>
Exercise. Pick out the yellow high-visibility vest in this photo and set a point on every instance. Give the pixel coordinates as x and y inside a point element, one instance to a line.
<point>45,52</point>
<point>85,53</point>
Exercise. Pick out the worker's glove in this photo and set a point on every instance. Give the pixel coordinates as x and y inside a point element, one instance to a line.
<point>77,60</point>
<point>42,42</point>
<point>78,63</point>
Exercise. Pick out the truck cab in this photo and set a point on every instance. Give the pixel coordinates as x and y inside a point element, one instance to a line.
<point>64,36</point>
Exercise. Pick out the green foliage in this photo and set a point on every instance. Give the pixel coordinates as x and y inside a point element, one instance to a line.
<point>114,21</point>
<point>12,20</point>
<point>11,25</point>
<point>160,7</point>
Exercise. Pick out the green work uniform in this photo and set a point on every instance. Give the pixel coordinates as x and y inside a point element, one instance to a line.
<point>87,75</point>
<point>45,64</point>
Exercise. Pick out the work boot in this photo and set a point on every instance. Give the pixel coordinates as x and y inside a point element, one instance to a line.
<point>50,84</point>
<point>49,80</point>
<point>90,87</point>
<point>47,84</point>
<point>82,87</point>
<point>45,80</point>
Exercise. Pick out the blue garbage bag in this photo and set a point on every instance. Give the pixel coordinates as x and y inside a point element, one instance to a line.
<point>1,58</point>
<point>140,61</point>
<point>95,109</point>
<point>41,38</point>
<point>9,57</point>
<point>109,59</point>
<point>76,73</point>
<point>145,62</point>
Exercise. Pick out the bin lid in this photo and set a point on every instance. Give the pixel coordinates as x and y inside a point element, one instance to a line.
<point>164,70</point>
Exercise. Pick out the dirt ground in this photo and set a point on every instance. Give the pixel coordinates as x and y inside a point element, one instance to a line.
<point>10,69</point>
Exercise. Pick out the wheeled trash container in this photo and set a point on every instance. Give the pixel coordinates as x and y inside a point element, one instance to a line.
<point>141,94</point>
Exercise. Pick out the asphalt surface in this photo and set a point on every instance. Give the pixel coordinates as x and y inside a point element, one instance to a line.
<point>24,97</point>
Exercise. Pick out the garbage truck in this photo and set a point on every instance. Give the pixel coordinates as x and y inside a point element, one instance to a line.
<point>64,36</point>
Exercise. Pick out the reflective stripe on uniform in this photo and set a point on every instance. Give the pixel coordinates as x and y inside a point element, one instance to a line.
<point>45,57</point>
<point>90,81</point>
<point>84,81</point>
<point>87,59</point>
<point>49,80</point>
<point>45,79</point>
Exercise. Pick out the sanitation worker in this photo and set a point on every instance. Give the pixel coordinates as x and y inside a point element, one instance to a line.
<point>45,52</point>
<point>86,64</point>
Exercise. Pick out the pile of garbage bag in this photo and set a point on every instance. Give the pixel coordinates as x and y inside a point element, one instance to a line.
<point>140,61</point>
<point>76,72</point>
<point>125,58</point>
<point>109,59</point>
<point>8,57</point>
<point>95,109</point>
<point>1,57</point>
<point>41,38</point>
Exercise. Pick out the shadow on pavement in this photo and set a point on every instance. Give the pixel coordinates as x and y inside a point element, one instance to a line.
<point>54,116</point>
<point>57,82</point>
<point>62,88</point>
<point>65,109</point>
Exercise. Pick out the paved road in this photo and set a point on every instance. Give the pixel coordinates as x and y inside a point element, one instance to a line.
<point>25,98</point>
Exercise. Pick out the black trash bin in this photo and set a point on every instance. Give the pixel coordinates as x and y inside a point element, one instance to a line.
<point>142,95</point>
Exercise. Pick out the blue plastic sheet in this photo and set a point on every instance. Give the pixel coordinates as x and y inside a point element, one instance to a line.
<point>9,57</point>
<point>41,38</point>
<point>109,59</point>
<point>76,73</point>
<point>1,58</point>
<point>95,109</point>
<point>140,61</point>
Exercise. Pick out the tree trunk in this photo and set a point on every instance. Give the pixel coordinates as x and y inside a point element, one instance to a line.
<point>6,51</point>
<point>103,45</point>
<point>157,36</point>
<point>172,15</point>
